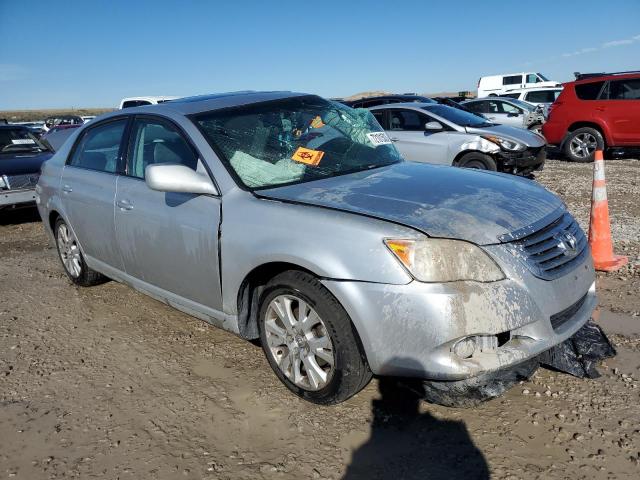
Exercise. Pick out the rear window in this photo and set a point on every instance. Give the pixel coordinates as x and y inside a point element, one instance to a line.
<point>135,103</point>
<point>625,89</point>
<point>588,91</point>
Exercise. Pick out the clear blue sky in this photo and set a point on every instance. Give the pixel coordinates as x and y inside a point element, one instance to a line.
<point>91,53</point>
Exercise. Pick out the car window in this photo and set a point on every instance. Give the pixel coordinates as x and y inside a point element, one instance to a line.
<point>407,121</point>
<point>532,78</point>
<point>588,91</point>
<point>98,147</point>
<point>296,140</point>
<point>542,96</point>
<point>135,103</point>
<point>492,106</point>
<point>381,118</point>
<point>624,89</point>
<point>512,80</point>
<point>13,140</point>
<point>477,107</point>
<point>154,141</point>
<point>505,107</point>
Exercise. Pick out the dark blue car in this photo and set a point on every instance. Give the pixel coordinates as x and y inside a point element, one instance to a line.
<point>21,155</point>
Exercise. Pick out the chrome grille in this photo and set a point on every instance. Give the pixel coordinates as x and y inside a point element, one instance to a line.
<point>554,249</point>
<point>18,182</point>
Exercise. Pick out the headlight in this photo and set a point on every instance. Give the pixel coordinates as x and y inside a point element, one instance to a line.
<point>438,260</point>
<point>3,183</point>
<point>506,144</point>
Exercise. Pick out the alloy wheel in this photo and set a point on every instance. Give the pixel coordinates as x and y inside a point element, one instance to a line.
<point>299,342</point>
<point>583,145</point>
<point>69,251</point>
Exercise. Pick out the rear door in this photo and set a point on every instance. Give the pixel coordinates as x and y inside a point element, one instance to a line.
<point>168,240</point>
<point>407,131</point>
<point>88,189</point>
<point>621,110</point>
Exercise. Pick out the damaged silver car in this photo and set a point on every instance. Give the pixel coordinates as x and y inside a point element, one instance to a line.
<point>440,134</point>
<point>292,219</point>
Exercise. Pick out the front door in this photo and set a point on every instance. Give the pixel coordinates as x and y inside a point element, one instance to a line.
<point>407,131</point>
<point>168,240</point>
<point>88,189</point>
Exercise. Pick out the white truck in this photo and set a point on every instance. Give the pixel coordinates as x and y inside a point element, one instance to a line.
<point>496,85</point>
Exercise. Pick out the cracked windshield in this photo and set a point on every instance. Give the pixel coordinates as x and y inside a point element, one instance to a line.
<point>297,140</point>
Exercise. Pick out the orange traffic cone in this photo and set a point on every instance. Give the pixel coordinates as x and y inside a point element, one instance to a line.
<point>599,225</point>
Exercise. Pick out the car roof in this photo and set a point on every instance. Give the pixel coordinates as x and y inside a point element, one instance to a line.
<point>215,101</point>
<point>604,78</point>
<point>406,104</point>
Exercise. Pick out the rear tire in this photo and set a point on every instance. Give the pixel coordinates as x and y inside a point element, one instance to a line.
<point>340,370</point>
<point>478,161</point>
<point>580,145</point>
<point>72,259</point>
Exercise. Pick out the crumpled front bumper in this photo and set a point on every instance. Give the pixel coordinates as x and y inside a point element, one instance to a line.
<point>523,162</point>
<point>409,330</point>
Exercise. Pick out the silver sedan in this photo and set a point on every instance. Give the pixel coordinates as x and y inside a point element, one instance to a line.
<point>294,220</point>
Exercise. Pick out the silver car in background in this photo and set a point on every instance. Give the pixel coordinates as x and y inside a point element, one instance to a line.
<point>293,219</point>
<point>440,134</point>
<point>509,111</point>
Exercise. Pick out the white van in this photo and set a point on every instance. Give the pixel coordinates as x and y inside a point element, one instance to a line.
<point>535,96</point>
<point>496,85</point>
<point>141,101</point>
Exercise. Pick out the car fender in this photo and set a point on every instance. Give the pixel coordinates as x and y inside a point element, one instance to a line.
<point>328,243</point>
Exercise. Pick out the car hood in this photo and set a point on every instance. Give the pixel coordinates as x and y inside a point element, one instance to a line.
<point>22,163</point>
<point>447,202</point>
<point>521,135</point>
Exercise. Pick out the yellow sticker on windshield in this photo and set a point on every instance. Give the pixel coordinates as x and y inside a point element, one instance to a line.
<point>307,156</point>
<point>317,122</point>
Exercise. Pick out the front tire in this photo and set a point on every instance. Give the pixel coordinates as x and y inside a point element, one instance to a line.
<point>478,161</point>
<point>72,259</point>
<point>309,340</point>
<point>580,145</point>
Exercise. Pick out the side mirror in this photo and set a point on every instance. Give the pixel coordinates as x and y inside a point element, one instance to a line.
<point>170,177</point>
<point>513,114</point>
<point>433,127</point>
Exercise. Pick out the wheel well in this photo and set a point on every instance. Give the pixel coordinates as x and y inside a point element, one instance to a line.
<point>250,291</point>
<point>577,125</point>
<point>53,217</point>
<point>459,156</point>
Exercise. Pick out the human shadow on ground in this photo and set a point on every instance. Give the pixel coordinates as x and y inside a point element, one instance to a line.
<point>407,444</point>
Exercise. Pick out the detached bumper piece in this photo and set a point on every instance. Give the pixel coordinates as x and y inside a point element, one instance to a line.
<point>523,163</point>
<point>579,354</point>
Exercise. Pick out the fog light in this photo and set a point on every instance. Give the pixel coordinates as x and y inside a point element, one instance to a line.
<point>464,348</point>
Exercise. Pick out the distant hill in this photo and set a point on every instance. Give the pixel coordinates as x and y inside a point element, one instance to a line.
<point>35,115</point>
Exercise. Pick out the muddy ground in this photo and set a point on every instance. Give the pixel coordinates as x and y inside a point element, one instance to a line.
<point>107,383</point>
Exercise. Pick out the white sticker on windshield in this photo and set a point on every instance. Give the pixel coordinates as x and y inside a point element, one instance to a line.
<point>378,138</point>
<point>22,141</point>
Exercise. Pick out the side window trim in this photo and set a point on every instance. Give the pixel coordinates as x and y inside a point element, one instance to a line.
<point>123,142</point>
<point>173,125</point>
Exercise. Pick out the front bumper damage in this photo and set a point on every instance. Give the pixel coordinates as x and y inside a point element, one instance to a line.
<point>411,330</point>
<point>523,163</point>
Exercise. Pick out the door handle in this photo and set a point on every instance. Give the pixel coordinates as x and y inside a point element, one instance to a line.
<point>600,109</point>
<point>394,139</point>
<point>67,189</point>
<point>124,205</point>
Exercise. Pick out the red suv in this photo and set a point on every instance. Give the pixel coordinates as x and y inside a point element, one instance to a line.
<point>598,111</point>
